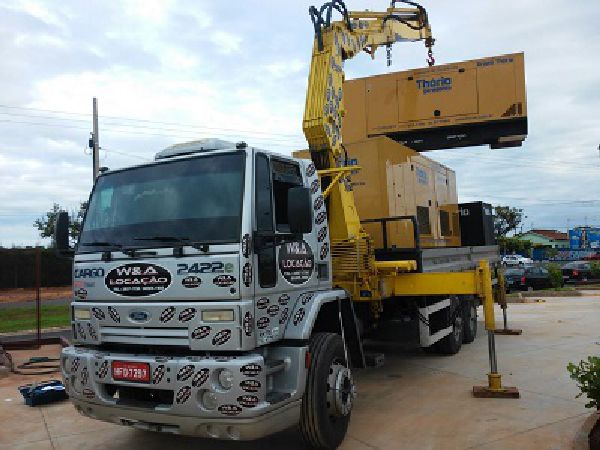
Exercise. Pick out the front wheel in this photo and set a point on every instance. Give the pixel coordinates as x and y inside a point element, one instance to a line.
<point>329,395</point>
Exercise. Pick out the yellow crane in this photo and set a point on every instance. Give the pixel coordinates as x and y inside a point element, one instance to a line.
<point>353,262</point>
<point>335,42</point>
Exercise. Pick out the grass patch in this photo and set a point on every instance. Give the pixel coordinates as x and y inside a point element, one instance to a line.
<point>16,319</point>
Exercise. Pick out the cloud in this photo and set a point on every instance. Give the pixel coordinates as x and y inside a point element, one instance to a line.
<point>226,42</point>
<point>39,11</point>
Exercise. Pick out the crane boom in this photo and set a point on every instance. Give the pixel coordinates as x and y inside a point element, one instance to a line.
<point>334,43</point>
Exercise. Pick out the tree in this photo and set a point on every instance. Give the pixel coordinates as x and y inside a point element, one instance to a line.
<point>507,219</point>
<point>514,245</point>
<point>45,224</point>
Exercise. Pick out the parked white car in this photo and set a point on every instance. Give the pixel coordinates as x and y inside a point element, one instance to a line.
<point>516,260</point>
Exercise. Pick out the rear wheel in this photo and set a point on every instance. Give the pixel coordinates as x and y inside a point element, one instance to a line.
<point>470,321</point>
<point>452,343</point>
<point>329,395</point>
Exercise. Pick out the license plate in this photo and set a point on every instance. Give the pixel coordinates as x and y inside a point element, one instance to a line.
<point>131,371</point>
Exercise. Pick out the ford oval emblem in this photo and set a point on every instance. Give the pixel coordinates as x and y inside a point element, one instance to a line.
<point>139,316</point>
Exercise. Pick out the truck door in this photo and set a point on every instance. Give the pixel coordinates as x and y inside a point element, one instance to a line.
<point>281,272</point>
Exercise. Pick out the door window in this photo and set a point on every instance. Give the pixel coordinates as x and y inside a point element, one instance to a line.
<point>285,175</point>
<point>274,179</point>
<point>267,264</point>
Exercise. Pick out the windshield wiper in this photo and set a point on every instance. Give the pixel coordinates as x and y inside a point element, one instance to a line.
<point>179,240</point>
<point>162,239</point>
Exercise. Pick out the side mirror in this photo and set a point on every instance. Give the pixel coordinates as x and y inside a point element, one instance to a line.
<point>300,214</point>
<point>61,233</point>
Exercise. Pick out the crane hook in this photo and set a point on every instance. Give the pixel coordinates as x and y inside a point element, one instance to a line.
<point>430,57</point>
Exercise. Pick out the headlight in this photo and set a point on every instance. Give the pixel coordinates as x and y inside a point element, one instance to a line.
<point>218,315</point>
<point>226,379</point>
<point>82,313</point>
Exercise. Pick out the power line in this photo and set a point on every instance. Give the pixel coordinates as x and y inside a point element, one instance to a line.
<point>130,155</point>
<point>182,130</point>
<point>186,135</point>
<point>186,125</point>
<point>127,126</point>
<point>175,132</point>
<point>515,159</point>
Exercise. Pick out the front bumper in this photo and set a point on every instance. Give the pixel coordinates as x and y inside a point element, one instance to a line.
<point>174,400</point>
<point>232,429</point>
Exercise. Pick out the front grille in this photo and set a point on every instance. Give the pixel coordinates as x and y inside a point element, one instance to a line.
<point>145,335</point>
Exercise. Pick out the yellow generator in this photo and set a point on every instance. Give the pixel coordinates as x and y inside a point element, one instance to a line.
<point>397,181</point>
<point>390,119</point>
<point>476,102</point>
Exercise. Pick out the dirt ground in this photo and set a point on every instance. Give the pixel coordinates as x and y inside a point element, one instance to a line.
<point>23,295</point>
<point>416,401</point>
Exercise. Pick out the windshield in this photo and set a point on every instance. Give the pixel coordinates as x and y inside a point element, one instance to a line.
<point>196,199</point>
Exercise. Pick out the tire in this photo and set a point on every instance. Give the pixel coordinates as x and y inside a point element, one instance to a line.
<point>325,411</point>
<point>451,344</point>
<point>469,322</point>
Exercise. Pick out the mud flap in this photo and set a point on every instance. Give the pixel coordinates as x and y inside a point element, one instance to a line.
<point>351,335</point>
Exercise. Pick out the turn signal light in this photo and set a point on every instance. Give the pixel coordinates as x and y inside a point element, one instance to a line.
<point>82,313</point>
<point>218,315</point>
<point>307,360</point>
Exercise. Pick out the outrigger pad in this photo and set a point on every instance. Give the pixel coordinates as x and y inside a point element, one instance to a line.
<point>508,332</point>
<point>505,392</point>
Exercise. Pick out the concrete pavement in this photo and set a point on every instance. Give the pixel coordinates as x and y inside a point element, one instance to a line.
<point>416,401</point>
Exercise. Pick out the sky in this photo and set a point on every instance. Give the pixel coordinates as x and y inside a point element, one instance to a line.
<point>167,71</point>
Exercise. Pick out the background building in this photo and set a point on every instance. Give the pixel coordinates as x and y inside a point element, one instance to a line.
<point>546,238</point>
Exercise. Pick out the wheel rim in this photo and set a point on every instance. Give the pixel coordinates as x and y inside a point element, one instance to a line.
<point>340,390</point>
<point>458,324</point>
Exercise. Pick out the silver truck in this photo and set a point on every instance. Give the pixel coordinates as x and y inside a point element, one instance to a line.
<point>203,299</point>
<point>200,282</point>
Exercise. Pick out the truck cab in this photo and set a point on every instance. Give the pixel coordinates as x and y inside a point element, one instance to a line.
<point>198,279</point>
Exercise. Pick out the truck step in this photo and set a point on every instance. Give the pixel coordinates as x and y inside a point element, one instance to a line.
<point>276,397</point>
<point>275,365</point>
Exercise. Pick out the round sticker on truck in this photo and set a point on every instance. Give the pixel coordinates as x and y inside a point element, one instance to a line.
<point>138,280</point>
<point>296,262</point>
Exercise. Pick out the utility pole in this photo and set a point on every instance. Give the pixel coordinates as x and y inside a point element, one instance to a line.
<point>95,141</point>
